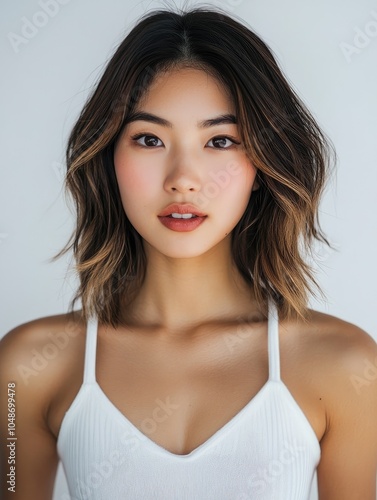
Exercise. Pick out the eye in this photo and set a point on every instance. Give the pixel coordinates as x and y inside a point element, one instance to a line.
<point>224,138</point>
<point>151,141</point>
<point>135,138</point>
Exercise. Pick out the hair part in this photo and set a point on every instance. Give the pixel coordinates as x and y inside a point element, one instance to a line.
<point>280,136</point>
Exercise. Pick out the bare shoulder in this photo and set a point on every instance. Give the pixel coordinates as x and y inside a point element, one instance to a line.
<point>343,361</point>
<point>335,359</point>
<point>40,349</point>
<point>37,332</point>
<point>37,329</point>
<point>340,360</point>
<point>335,352</point>
<point>342,347</point>
<point>35,360</point>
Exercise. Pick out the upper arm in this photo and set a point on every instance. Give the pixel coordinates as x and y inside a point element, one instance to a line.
<point>348,465</point>
<point>33,454</point>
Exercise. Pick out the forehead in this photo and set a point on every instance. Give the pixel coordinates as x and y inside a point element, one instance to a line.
<point>187,87</point>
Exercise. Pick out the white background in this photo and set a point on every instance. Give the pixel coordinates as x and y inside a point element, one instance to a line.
<point>46,80</point>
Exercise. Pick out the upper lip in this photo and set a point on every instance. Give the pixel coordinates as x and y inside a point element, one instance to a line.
<point>179,208</point>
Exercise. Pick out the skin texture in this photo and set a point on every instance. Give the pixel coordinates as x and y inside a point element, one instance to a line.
<point>175,338</point>
<point>190,275</point>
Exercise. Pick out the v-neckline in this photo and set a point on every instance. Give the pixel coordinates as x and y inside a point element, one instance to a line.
<point>273,359</point>
<point>207,443</point>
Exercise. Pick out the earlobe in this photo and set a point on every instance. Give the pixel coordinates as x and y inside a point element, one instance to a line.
<point>255,185</point>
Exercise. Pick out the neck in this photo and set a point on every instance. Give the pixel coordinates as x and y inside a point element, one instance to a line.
<point>178,295</point>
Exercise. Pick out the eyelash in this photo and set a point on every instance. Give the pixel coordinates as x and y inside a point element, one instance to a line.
<point>136,137</point>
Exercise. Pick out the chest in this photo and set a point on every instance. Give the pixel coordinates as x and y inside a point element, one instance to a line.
<point>179,394</point>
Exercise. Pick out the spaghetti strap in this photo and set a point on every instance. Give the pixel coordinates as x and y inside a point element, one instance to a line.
<point>90,350</point>
<point>261,433</point>
<point>273,346</point>
<point>273,342</point>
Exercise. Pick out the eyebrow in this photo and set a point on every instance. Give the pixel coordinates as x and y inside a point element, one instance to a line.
<point>210,122</point>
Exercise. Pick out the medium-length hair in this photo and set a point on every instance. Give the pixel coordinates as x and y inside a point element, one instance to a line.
<point>281,138</point>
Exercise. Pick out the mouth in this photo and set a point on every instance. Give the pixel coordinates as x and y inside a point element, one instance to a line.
<point>179,209</point>
<point>182,216</point>
<point>182,224</point>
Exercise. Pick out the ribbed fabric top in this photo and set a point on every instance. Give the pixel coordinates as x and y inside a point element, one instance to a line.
<point>267,451</point>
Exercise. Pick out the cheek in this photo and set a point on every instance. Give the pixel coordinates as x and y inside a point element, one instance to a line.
<point>238,178</point>
<point>137,182</point>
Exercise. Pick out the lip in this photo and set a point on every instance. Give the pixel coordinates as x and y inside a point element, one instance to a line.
<point>181,208</point>
<point>182,225</point>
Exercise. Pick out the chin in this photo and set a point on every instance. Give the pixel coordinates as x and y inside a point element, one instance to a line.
<point>183,253</point>
<point>178,249</point>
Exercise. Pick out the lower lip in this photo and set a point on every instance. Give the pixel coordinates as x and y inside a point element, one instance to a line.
<point>182,224</point>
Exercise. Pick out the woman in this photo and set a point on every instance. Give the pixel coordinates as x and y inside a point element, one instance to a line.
<point>195,369</point>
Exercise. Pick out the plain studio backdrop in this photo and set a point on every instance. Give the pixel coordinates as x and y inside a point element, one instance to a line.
<point>52,52</point>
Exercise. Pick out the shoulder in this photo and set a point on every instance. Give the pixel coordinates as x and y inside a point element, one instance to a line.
<point>35,360</point>
<point>330,336</point>
<point>39,350</point>
<point>342,352</point>
<point>43,334</point>
<point>345,360</point>
<point>342,359</point>
<point>347,348</point>
<point>337,358</point>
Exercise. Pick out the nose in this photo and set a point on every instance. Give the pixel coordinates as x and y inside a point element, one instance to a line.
<point>183,176</point>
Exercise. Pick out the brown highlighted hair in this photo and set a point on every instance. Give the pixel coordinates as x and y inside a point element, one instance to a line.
<point>281,138</point>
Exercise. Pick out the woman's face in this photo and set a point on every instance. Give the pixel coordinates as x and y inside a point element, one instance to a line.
<point>183,163</point>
